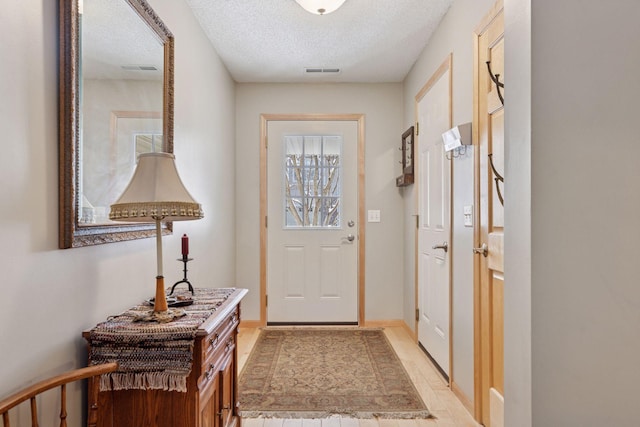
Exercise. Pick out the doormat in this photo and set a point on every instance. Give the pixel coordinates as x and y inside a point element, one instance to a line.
<point>316,373</point>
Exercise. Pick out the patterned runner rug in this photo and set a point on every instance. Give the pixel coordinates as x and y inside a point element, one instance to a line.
<point>316,373</point>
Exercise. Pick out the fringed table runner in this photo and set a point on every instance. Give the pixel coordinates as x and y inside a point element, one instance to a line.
<point>152,355</point>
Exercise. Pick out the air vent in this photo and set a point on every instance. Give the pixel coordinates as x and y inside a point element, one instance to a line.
<point>318,70</point>
<point>139,68</point>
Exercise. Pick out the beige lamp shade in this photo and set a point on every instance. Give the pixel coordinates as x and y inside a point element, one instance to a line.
<point>155,192</point>
<point>320,7</point>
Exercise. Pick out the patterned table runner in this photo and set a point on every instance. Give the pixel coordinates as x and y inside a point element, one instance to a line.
<point>152,355</point>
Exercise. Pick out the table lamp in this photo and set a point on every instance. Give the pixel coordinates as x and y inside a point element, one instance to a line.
<point>156,193</point>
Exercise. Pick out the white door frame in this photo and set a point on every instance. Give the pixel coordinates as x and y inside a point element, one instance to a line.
<point>264,120</point>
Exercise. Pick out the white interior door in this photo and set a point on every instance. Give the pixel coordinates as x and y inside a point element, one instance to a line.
<point>434,176</point>
<point>312,205</point>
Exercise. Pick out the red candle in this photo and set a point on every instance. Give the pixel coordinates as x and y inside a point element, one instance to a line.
<point>185,245</point>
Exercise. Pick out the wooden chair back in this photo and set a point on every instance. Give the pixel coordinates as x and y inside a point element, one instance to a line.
<point>30,393</point>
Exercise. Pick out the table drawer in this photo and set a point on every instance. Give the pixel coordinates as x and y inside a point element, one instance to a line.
<point>213,364</point>
<point>218,338</point>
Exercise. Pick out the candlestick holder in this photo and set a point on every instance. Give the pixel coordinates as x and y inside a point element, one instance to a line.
<point>185,260</point>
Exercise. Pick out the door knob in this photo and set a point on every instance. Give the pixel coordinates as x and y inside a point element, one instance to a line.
<point>484,250</point>
<point>443,246</point>
<point>224,408</point>
<point>350,237</point>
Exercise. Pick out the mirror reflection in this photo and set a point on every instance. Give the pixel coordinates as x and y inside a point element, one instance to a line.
<point>121,102</point>
<point>116,101</point>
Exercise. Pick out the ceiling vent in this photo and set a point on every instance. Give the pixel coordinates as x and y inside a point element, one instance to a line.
<point>319,70</point>
<point>139,68</point>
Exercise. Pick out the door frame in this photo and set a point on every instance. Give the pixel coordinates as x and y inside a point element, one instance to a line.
<point>264,121</point>
<point>482,365</point>
<point>445,66</point>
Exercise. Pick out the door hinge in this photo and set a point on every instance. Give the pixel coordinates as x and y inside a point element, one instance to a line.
<point>265,221</point>
<point>266,300</point>
<point>417,314</point>
<point>418,221</point>
<point>417,128</point>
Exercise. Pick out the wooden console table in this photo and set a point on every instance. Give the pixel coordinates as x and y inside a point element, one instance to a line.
<point>211,394</point>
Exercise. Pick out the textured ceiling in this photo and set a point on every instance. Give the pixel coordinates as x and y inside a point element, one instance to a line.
<point>274,40</point>
<point>115,38</point>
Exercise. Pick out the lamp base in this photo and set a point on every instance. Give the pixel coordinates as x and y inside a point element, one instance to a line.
<point>160,302</point>
<point>161,312</point>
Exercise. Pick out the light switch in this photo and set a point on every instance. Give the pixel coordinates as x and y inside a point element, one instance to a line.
<point>373,215</point>
<point>468,215</point>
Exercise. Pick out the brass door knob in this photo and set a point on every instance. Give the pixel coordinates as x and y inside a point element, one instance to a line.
<point>484,250</point>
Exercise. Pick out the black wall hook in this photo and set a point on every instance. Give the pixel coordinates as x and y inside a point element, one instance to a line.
<point>495,79</point>
<point>498,178</point>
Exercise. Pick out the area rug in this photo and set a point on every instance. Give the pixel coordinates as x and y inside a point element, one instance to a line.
<point>316,373</point>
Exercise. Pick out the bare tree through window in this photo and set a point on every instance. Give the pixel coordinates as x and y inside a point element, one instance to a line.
<point>312,184</point>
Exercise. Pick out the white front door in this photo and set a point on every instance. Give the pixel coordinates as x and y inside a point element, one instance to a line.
<point>434,176</point>
<point>312,211</point>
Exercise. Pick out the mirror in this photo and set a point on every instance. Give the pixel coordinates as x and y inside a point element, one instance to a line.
<point>116,101</point>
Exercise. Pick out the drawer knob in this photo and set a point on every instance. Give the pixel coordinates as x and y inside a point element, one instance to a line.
<point>209,372</point>
<point>214,341</point>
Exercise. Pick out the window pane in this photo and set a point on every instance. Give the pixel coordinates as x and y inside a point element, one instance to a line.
<point>331,212</point>
<point>312,181</point>
<point>293,182</point>
<point>315,215</point>
<point>331,182</point>
<point>331,150</point>
<point>331,160</point>
<point>293,212</point>
<point>293,160</point>
<point>293,145</point>
<point>313,145</point>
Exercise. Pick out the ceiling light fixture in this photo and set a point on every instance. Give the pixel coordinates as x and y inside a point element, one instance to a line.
<point>320,7</point>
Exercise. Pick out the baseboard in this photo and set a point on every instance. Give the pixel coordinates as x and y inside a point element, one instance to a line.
<point>496,408</point>
<point>397,323</point>
<point>466,402</point>
<point>250,324</point>
<point>382,323</point>
<point>410,331</point>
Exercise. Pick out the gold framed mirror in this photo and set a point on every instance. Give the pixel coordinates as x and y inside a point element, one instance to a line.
<point>115,101</point>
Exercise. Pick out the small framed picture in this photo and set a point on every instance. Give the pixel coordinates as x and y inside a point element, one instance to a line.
<point>407,159</point>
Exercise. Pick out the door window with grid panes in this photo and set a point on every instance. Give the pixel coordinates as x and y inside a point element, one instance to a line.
<point>312,184</point>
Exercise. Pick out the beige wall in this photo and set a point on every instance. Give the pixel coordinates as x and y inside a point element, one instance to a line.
<point>50,295</point>
<point>454,35</point>
<point>572,317</point>
<point>382,106</point>
<point>517,259</point>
